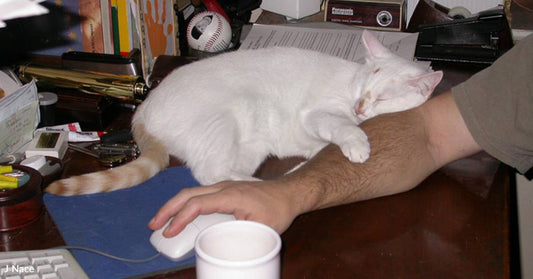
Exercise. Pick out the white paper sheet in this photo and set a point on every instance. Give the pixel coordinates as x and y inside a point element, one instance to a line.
<point>10,9</point>
<point>18,118</point>
<point>9,82</point>
<point>337,40</point>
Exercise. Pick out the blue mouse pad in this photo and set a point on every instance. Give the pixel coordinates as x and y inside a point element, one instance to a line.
<point>116,223</point>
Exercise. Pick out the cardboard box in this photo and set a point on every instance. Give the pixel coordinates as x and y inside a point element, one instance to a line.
<point>294,9</point>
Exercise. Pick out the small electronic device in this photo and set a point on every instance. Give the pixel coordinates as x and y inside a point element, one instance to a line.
<point>48,143</point>
<point>181,246</point>
<point>376,14</point>
<point>481,38</point>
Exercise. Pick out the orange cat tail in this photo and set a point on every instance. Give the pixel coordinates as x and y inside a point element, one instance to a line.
<point>154,158</point>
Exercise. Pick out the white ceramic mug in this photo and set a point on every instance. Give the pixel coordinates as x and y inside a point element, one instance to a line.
<point>238,249</point>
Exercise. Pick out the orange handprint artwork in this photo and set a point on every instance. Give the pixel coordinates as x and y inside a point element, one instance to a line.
<point>158,32</point>
<point>159,19</point>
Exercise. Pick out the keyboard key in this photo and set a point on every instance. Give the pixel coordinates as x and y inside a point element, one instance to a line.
<point>40,264</point>
<point>58,266</point>
<point>50,276</point>
<point>46,259</point>
<point>10,261</point>
<point>66,273</point>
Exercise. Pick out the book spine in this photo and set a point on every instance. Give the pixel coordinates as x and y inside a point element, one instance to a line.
<point>107,26</point>
<point>124,27</point>
<point>134,31</point>
<point>91,26</point>
<point>114,16</point>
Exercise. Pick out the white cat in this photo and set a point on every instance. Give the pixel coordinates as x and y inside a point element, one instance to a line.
<point>224,115</point>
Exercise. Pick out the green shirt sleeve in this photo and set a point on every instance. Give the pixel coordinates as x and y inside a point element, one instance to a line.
<point>497,106</point>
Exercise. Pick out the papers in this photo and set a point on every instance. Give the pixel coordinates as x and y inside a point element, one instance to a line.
<point>18,118</point>
<point>19,8</point>
<point>335,39</point>
<point>9,82</point>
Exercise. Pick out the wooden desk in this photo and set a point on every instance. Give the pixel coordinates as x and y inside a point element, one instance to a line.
<point>457,224</point>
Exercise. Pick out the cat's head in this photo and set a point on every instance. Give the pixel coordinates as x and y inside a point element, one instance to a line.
<point>395,84</point>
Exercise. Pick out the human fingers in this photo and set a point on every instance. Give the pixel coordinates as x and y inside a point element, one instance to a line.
<point>172,206</point>
<point>257,201</point>
<point>205,204</point>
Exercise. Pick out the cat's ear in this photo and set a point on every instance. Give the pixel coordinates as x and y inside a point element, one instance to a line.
<point>373,46</point>
<point>427,82</point>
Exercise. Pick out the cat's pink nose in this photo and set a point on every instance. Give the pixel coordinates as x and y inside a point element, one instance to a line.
<point>359,110</point>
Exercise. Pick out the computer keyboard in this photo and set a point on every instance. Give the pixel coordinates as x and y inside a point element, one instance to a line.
<point>40,264</point>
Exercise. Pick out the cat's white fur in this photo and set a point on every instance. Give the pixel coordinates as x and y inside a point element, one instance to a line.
<point>224,115</point>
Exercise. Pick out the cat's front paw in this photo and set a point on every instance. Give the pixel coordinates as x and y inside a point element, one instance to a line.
<point>355,147</point>
<point>357,153</point>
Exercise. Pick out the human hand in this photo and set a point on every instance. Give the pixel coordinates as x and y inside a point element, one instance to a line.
<point>268,202</point>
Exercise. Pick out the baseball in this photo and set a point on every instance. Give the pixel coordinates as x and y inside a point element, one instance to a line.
<point>209,31</point>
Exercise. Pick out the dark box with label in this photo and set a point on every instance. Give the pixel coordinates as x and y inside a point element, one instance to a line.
<point>388,15</point>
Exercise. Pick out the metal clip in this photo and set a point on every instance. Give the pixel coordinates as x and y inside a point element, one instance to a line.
<point>130,150</point>
<point>110,155</point>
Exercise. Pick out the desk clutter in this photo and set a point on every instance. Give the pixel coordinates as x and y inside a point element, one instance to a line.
<point>32,154</point>
<point>20,196</point>
<point>87,87</point>
<point>92,81</point>
<point>456,35</point>
<point>90,87</point>
<point>116,223</point>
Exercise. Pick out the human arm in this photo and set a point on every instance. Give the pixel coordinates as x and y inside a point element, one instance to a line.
<point>406,147</point>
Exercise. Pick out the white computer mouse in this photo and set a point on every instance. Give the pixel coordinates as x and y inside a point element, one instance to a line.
<point>181,246</point>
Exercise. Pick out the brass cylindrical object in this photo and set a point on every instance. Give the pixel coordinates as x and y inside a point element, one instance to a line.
<point>118,86</point>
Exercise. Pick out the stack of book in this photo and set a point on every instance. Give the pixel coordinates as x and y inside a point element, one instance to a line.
<point>117,27</point>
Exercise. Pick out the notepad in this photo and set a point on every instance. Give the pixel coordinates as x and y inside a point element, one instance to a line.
<point>116,223</point>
